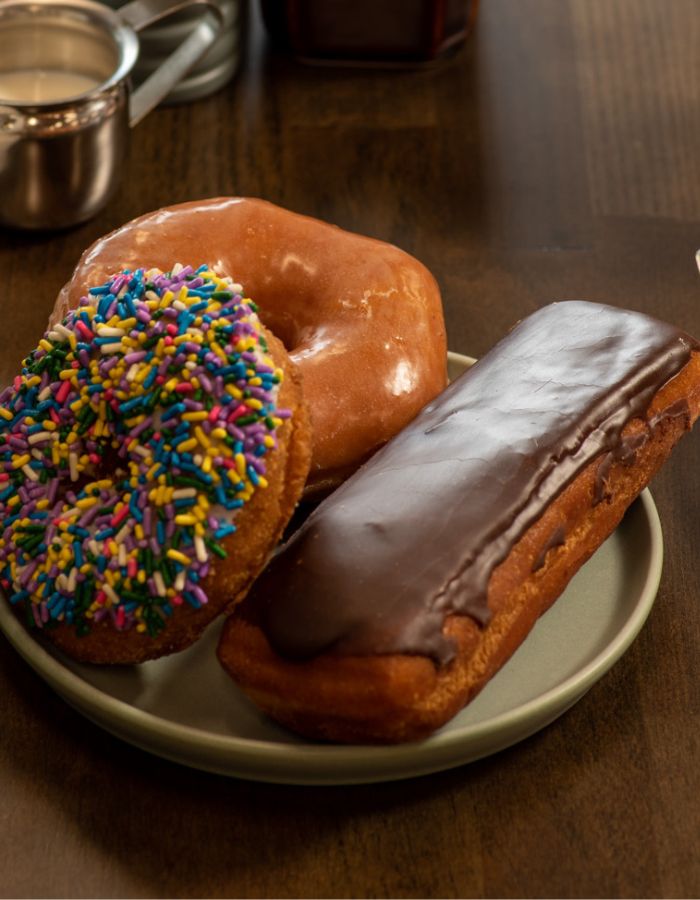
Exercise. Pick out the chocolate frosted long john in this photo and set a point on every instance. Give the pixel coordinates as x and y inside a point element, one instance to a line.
<point>417,532</point>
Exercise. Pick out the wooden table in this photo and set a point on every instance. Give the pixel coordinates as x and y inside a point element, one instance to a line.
<point>556,156</point>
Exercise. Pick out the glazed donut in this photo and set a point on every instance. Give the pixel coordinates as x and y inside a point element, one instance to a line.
<point>412,584</point>
<point>362,319</point>
<point>151,452</point>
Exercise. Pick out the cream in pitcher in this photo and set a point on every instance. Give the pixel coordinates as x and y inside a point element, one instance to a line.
<point>65,101</point>
<point>44,85</point>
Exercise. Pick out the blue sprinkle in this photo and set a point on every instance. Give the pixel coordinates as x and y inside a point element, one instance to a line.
<point>191,599</point>
<point>173,410</point>
<point>78,554</point>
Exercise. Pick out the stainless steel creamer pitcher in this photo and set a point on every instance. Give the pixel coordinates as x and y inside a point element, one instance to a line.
<point>66,104</point>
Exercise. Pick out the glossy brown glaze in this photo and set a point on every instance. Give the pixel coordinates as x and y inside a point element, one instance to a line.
<point>361,318</point>
<point>416,534</point>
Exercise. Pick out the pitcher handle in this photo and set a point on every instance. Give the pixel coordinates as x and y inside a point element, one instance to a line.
<point>138,15</point>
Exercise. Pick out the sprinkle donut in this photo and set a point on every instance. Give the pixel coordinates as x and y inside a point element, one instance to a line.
<point>151,452</point>
<point>362,319</point>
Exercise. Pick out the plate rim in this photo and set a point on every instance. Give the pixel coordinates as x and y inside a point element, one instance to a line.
<point>331,764</point>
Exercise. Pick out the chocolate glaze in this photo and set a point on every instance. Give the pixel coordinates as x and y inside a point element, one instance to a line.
<point>625,451</point>
<point>417,532</point>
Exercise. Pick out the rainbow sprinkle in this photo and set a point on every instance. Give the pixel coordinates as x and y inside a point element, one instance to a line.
<point>137,428</point>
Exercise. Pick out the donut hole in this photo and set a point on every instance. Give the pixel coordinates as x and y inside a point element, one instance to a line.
<point>283,325</point>
<point>111,465</point>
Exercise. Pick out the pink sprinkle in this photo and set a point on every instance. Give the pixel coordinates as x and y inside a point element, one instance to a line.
<point>84,330</point>
<point>62,392</point>
<point>214,414</point>
<point>184,387</point>
<point>119,517</point>
<point>240,410</point>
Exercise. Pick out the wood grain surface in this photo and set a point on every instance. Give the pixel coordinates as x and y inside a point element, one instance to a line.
<point>555,156</point>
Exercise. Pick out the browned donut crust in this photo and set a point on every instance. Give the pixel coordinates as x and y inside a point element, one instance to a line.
<point>396,697</point>
<point>260,524</point>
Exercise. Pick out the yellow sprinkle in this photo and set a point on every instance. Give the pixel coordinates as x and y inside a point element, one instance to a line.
<point>201,437</point>
<point>185,519</point>
<point>240,464</point>
<point>217,348</point>
<point>20,461</point>
<point>188,445</point>
<point>5,413</point>
<point>86,502</point>
<point>142,374</point>
<point>178,557</point>
<point>195,416</point>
